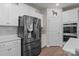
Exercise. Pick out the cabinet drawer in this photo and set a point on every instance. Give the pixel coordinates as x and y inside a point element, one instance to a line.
<point>11,51</point>
<point>13,43</point>
<point>15,51</point>
<point>4,52</point>
<point>4,45</point>
<point>32,52</point>
<point>32,45</point>
<point>12,48</point>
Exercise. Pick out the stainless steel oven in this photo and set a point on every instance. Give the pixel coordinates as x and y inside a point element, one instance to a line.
<point>69,30</point>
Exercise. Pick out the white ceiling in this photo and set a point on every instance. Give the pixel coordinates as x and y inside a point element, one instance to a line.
<point>51,5</point>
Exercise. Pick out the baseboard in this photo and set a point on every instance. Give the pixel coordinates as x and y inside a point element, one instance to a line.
<point>54,45</point>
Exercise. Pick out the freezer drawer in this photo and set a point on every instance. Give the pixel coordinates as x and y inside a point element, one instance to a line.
<point>32,52</point>
<point>32,45</point>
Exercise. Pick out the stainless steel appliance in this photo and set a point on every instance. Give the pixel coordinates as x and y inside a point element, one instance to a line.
<point>29,30</point>
<point>69,30</point>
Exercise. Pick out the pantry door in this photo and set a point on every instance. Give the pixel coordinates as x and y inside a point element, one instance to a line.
<point>54,28</point>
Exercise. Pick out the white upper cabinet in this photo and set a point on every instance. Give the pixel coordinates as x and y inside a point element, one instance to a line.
<point>4,14</point>
<point>9,13</point>
<point>13,15</point>
<point>70,16</point>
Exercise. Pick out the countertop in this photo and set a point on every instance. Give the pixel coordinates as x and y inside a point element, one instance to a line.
<point>9,38</point>
<point>71,45</point>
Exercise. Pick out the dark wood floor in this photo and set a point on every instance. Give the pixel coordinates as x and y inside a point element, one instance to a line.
<point>52,51</point>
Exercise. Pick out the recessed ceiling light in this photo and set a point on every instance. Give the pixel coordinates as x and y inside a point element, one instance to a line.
<point>57,4</point>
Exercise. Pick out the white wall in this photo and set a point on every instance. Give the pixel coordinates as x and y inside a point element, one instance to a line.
<point>54,27</point>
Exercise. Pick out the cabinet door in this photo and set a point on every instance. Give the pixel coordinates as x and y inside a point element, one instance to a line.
<point>4,52</point>
<point>15,50</point>
<point>4,16</point>
<point>54,28</point>
<point>13,15</point>
<point>70,16</point>
<point>11,51</point>
<point>12,48</point>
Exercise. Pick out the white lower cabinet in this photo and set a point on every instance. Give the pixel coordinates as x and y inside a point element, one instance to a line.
<point>12,48</point>
<point>4,52</point>
<point>14,51</point>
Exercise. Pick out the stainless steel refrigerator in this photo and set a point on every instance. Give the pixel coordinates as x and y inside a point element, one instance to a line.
<point>29,29</point>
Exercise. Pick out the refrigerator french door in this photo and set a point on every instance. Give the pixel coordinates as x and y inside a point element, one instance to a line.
<point>29,29</point>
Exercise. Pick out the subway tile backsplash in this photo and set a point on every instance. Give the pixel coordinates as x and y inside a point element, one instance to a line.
<point>8,30</point>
